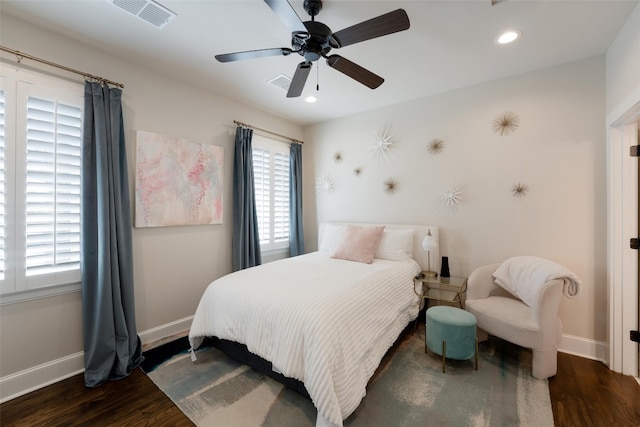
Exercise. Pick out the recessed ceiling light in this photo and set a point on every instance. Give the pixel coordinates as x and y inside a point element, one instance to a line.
<point>311,99</point>
<point>508,37</point>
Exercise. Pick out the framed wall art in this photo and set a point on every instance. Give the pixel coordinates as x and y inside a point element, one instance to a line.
<point>177,182</point>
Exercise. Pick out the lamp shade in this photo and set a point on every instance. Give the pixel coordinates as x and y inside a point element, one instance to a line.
<point>429,242</point>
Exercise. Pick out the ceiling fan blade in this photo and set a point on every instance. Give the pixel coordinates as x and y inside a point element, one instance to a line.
<point>354,71</point>
<point>382,25</point>
<point>251,54</point>
<point>299,79</point>
<point>287,15</point>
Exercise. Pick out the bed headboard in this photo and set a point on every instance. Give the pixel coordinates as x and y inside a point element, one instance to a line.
<point>419,254</point>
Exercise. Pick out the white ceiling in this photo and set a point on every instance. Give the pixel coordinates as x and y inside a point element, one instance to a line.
<point>450,45</point>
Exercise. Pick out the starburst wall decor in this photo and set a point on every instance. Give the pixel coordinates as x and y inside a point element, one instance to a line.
<point>390,185</point>
<point>519,190</point>
<point>382,143</point>
<point>435,146</point>
<point>324,185</point>
<point>506,123</point>
<point>337,157</point>
<point>450,199</point>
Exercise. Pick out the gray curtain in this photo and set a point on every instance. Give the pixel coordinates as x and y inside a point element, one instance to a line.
<point>245,246</point>
<point>111,345</point>
<point>296,234</point>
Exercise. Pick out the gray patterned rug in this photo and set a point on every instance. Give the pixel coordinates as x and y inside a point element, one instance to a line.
<point>408,389</point>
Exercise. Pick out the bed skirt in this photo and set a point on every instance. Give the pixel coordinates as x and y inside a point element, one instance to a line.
<point>241,354</point>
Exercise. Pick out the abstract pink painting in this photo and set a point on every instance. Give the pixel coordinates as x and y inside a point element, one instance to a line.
<point>177,182</point>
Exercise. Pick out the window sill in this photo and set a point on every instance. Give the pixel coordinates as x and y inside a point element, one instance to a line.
<point>274,254</point>
<point>34,294</point>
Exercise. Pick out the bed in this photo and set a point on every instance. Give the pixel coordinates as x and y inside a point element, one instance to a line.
<point>324,321</point>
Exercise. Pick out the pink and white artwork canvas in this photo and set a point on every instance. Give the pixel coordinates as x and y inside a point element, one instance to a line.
<point>177,182</point>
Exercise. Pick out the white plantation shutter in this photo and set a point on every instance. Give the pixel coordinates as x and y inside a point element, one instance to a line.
<point>40,155</point>
<point>271,181</point>
<point>54,132</point>
<point>281,198</point>
<point>2,184</point>
<point>262,187</point>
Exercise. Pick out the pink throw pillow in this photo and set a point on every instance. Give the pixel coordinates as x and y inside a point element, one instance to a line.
<point>359,244</point>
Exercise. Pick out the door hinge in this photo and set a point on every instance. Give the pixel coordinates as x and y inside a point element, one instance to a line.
<point>634,243</point>
<point>634,336</point>
<point>634,151</point>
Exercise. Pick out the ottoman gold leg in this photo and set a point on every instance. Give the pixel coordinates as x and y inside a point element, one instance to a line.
<point>476,354</point>
<point>444,355</point>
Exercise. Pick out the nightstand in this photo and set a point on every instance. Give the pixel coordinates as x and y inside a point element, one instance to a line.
<point>448,289</point>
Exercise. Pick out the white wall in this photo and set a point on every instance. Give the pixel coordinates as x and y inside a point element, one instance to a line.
<point>558,152</point>
<point>173,265</point>
<point>623,63</point>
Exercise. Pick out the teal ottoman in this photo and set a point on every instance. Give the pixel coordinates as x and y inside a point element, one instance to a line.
<point>451,333</point>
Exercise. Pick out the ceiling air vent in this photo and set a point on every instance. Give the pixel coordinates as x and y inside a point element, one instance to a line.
<point>281,82</point>
<point>149,11</point>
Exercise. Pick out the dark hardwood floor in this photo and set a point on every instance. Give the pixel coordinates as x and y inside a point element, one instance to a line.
<point>586,393</point>
<point>133,401</point>
<point>583,393</point>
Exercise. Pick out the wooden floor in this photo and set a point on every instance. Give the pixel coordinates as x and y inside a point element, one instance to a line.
<point>583,393</point>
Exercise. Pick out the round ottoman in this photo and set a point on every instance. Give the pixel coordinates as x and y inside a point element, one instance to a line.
<point>451,333</point>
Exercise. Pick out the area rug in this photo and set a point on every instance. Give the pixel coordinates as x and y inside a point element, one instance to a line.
<point>408,389</point>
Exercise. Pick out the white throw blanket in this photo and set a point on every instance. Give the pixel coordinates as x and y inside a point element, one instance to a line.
<point>524,276</point>
<point>323,321</point>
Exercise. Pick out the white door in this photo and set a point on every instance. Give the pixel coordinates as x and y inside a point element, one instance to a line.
<point>623,280</point>
<point>635,333</point>
<point>623,224</point>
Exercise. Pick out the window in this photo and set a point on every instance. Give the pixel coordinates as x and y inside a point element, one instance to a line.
<point>271,175</point>
<point>40,163</point>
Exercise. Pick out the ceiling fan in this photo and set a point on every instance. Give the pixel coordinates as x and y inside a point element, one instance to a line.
<point>313,40</point>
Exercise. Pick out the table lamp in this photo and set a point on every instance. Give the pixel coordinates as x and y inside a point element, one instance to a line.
<point>429,243</point>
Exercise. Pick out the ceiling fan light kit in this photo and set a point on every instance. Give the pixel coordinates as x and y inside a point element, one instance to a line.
<point>314,40</point>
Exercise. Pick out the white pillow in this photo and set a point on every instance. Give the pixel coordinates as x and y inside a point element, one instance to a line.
<point>331,237</point>
<point>396,245</point>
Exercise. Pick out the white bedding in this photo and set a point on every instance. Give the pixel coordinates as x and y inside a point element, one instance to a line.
<point>323,321</point>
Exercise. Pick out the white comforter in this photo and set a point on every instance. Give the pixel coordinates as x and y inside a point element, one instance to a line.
<point>323,321</point>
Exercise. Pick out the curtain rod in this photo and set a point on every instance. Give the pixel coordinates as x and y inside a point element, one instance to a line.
<point>20,56</point>
<point>295,141</point>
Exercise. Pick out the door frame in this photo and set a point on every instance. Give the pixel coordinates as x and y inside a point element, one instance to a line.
<point>622,224</point>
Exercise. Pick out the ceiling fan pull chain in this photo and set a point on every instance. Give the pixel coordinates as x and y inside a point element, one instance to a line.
<point>318,78</point>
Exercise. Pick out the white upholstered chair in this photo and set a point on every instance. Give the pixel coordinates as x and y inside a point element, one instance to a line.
<point>501,314</point>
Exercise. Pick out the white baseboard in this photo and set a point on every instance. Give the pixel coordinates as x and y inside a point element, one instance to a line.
<point>23,382</point>
<point>28,380</point>
<point>157,336</point>
<point>583,347</point>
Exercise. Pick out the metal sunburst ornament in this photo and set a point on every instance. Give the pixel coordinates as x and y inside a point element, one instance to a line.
<point>452,197</point>
<point>435,146</point>
<point>390,185</point>
<point>337,157</point>
<point>520,190</point>
<point>324,185</point>
<point>382,143</point>
<point>357,171</point>
<point>506,123</point>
